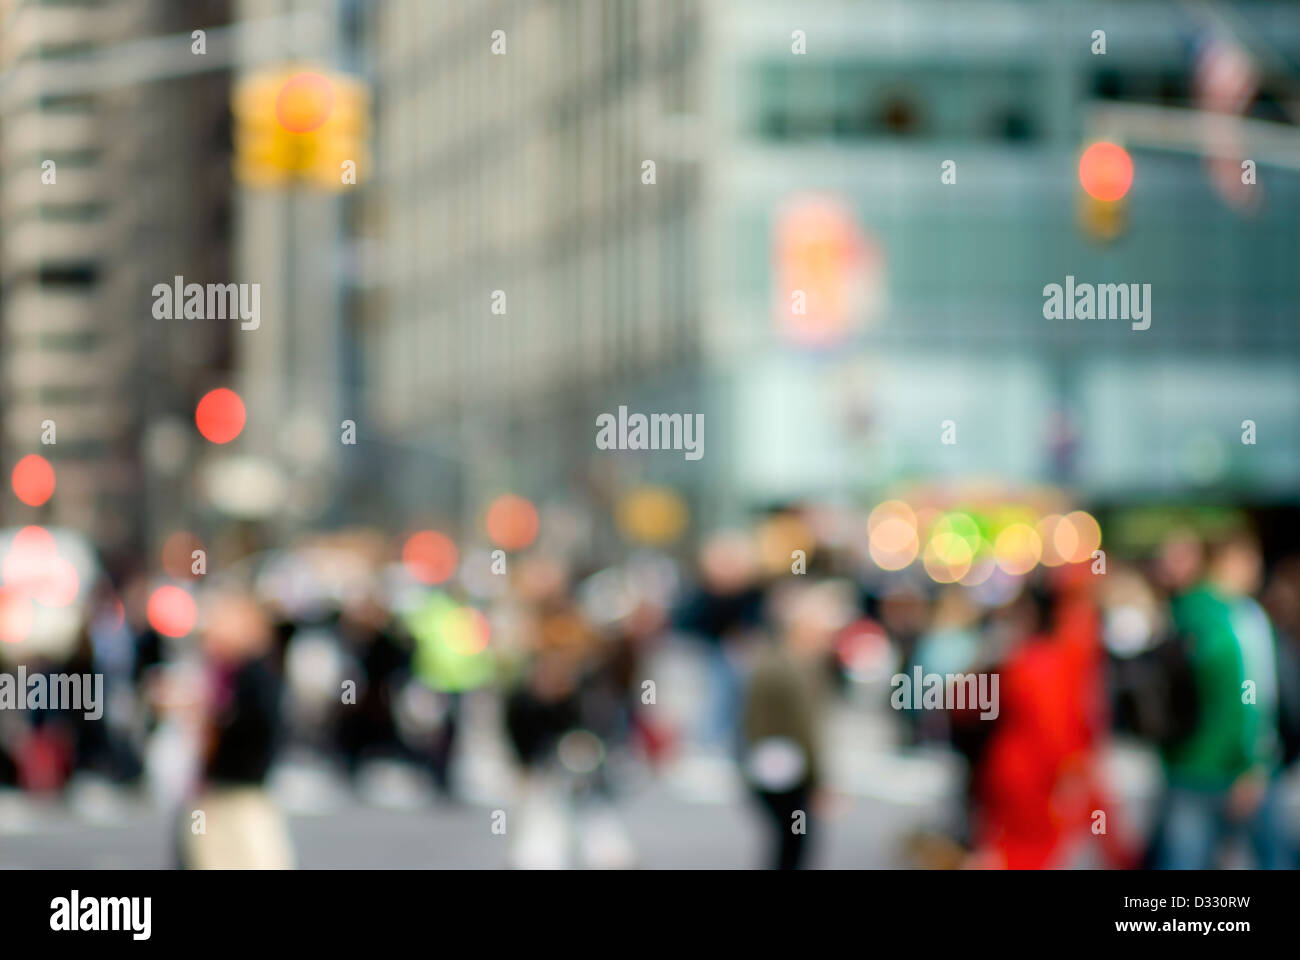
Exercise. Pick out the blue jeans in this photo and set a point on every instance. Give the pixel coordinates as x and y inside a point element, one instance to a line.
<point>1194,823</point>
<point>721,719</point>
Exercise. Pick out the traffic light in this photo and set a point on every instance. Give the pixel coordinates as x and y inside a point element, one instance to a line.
<point>1105,176</point>
<point>300,126</point>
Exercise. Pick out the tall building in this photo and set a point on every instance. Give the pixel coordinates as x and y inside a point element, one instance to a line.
<point>531,275</point>
<point>109,184</point>
<point>528,265</point>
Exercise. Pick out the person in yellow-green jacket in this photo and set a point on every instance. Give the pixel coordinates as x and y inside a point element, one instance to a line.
<point>452,657</point>
<point>1222,777</point>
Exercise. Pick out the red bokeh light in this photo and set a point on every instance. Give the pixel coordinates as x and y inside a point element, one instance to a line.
<point>33,480</point>
<point>171,611</point>
<point>1106,171</point>
<point>34,569</point>
<point>220,415</point>
<point>511,522</point>
<point>430,556</point>
<point>30,543</point>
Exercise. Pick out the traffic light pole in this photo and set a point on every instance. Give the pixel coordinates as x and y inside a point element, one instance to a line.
<point>238,46</point>
<point>1182,130</point>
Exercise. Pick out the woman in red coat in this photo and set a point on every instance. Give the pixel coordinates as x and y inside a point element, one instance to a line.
<point>1038,795</point>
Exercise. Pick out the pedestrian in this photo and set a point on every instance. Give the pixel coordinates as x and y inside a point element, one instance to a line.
<point>1222,778</point>
<point>783,718</point>
<point>233,822</point>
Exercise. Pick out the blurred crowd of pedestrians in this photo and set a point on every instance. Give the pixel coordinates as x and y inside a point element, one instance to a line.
<point>350,648</point>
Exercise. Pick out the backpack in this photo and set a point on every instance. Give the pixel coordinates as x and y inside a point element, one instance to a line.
<point>1155,694</point>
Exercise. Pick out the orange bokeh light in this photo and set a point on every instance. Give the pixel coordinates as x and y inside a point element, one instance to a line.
<point>1083,539</point>
<point>33,480</point>
<point>431,557</point>
<point>511,522</point>
<point>220,415</point>
<point>304,103</point>
<point>1055,534</point>
<point>1106,171</point>
<point>893,538</point>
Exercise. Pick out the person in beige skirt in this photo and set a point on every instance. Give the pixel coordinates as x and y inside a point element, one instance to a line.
<point>233,822</point>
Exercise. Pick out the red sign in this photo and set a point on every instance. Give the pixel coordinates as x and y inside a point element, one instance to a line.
<point>828,275</point>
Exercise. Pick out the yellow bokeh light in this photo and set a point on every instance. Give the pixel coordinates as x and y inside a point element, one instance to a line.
<point>467,631</point>
<point>779,537</point>
<point>947,557</point>
<point>959,526</point>
<point>904,539</point>
<point>1018,549</point>
<point>651,515</point>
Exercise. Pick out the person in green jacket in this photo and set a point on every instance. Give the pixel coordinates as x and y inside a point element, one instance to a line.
<point>1222,777</point>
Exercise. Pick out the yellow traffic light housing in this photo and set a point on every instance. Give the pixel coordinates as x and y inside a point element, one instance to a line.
<point>298,125</point>
<point>1102,220</point>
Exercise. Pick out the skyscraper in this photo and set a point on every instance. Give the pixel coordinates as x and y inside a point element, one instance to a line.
<point>90,220</point>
